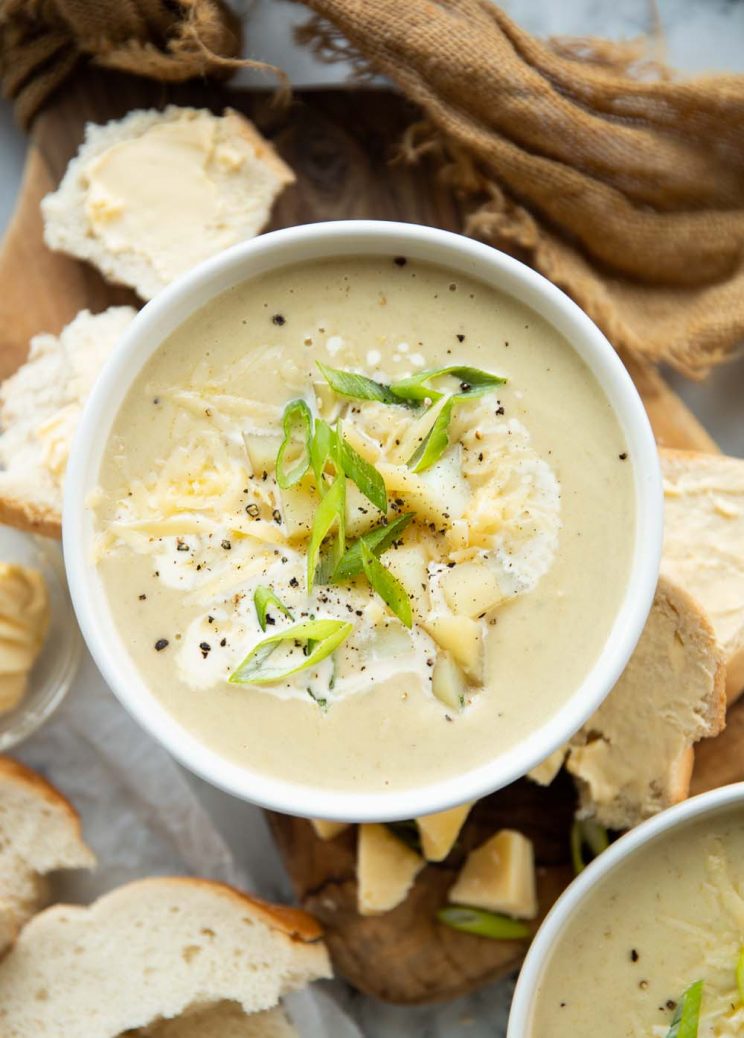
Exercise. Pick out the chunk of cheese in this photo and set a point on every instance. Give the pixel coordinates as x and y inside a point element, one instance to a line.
<point>439,832</point>
<point>544,772</point>
<point>386,869</point>
<point>499,876</point>
<point>326,829</point>
<point>462,637</point>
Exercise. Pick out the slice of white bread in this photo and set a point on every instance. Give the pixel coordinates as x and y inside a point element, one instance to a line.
<point>223,1020</point>
<point>40,406</point>
<point>704,544</point>
<point>150,950</point>
<point>39,833</point>
<point>182,185</point>
<point>634,756</point>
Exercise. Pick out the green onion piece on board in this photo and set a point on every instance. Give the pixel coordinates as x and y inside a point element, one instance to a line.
<point>590,835</point>
<point>686,1019</point>
<point>331,511</point>
<point>359,471</point>
<point>326,636</point>
<point>263,597</point>
<point>298,428</point>
<point>388,587</point>
<point>378,540</point>
<point>482,924</point>
<point>472,381</point>
<point>357,387</point>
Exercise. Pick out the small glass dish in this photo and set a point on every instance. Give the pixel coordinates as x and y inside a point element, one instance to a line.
<point>58,661</point>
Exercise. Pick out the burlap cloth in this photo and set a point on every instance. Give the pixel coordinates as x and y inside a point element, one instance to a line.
<point>625,190</point>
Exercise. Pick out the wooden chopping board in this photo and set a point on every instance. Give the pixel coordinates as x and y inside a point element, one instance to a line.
<point>339,143</point>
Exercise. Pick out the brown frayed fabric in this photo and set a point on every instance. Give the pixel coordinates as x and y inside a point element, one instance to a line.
<point>43,41</point>
<point>621,185</point>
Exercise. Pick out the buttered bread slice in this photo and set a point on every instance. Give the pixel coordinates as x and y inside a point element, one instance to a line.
<point>148,952</point>
<point>704,544</point>
<point>149,196</point>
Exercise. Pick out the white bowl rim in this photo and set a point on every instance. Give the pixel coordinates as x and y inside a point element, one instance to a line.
<point>326,240</point>
<point>713,802</point>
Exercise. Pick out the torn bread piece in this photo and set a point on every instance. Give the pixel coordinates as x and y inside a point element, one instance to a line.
<point>150,950</point>
<point>223,1020</point>
<point>633,758</point>
<point>150,196</point>
<point>386,869</point>
<point>499,876</point>
<point>439,831</point>
<point>40,406</point>
<point>39,833</point>
<point>704,544</point>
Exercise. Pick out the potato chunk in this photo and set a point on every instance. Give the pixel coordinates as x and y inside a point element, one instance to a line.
<point>462,637</point>
<point>471,589</point>
<point>262,452</point>
<point>499,876</point>
<point>386,869</point>
<point>298,506</point>
<point>448,682</point>
<point>409,565</point>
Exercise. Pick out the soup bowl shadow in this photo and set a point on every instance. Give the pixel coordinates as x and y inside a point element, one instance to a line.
<point>160,317</point>
<point>618,856</point>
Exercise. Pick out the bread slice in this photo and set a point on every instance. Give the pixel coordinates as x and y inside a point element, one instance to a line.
<point>39,833</point>
<point>40,406</point>
<point>223,1020</point>
<point>150,950</point>
<point>151,195</point>
<point>704,544</point>
<point>634,756</point>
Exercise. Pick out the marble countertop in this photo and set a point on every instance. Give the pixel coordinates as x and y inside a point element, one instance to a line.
<point>699,35</point>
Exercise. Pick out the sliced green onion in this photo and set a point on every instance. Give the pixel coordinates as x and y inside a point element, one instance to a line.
<point>388,587</point>
<point>326,635</point>
<point>377,540</point>
<point>332,509</point>
<point>481,923</point>
<point>263,597</point>
<point>298,428</point>
<point>357,387</point>
<point>686,1019</point>
<point>416,387</point>
<point>366,476</point>
<point>740,975</point>
<point>436,441</point>
<point>586,833</point>
<point>321,449</point>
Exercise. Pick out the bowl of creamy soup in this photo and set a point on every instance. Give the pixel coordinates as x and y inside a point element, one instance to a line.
<point>363,519</point>
<point>649,941</point>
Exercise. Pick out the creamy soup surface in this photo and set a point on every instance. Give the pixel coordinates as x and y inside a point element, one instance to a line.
<point>513,563</point>
<point>662,922</point>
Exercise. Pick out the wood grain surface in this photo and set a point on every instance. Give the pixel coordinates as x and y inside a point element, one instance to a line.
<point>340,144</point>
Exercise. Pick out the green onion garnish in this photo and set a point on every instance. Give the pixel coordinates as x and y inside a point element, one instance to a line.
<point>740,975</point>
<point>366,476</point>
<point>263,597</point>
<point>298,427</point>
<point>472,380</point>
<point>436,441</point>
<point>586,833</point>
<point>326,636</point>
<point>331,510</point>
<point>481,923</point>
<point>686,1019</point>
<point>321,449</point>
<point>377,540</point>
<point>388,587</point>
<point>357,387</point>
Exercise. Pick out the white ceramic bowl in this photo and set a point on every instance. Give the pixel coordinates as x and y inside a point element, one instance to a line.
<point>305,244</point>
<point>707,805</point>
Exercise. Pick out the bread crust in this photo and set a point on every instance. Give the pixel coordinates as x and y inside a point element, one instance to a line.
<point>12,771</point>
<point>30,517</point>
